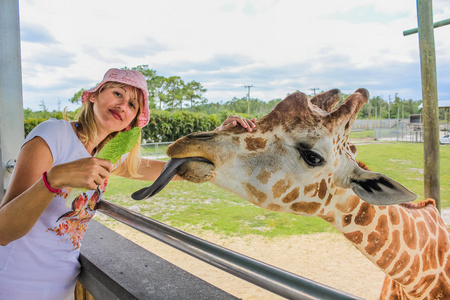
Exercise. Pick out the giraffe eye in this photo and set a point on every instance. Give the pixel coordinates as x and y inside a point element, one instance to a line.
<point>311,158</point>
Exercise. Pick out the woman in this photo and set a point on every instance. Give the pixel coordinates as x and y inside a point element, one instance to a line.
<point>40,238</point>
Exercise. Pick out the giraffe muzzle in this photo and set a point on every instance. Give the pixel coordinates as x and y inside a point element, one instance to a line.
<point>169,171</point>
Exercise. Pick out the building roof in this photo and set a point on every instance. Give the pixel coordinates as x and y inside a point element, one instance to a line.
<point>441,104</point>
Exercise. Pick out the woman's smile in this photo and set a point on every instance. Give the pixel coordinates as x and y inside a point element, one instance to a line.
<point>116,114</point>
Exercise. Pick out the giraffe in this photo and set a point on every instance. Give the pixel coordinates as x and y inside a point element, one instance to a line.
<point>298,160</point>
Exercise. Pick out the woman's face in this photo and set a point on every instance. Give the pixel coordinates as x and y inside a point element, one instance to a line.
<point>114,108</point>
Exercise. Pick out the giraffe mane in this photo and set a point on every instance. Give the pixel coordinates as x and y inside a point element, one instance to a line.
<point>363,165</point>
<point>419,205</point>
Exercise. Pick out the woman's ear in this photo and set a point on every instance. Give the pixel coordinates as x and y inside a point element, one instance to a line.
<point>92,97</point>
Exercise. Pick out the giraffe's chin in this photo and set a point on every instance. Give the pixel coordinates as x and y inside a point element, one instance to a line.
<point>197,172</point>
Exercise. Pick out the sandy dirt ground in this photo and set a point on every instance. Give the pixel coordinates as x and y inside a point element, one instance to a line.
<point>327,258</point>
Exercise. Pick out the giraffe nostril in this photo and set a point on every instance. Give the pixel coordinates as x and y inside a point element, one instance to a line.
<point>201,136</point>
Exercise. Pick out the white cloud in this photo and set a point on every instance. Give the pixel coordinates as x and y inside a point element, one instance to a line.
<point>276,45</point>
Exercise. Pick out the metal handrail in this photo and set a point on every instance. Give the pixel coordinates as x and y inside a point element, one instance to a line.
<point>276,280</point>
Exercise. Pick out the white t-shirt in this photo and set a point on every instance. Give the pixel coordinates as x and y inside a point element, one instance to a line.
<point>43,264</point>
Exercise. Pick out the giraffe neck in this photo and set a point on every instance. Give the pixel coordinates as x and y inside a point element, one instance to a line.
<point>406,242</point>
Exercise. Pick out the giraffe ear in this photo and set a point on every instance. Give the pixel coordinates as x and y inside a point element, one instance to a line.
<point>379,189</point>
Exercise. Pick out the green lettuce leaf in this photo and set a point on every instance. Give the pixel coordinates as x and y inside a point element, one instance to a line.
<point>121,144</point>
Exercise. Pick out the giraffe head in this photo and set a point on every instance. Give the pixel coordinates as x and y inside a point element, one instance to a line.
<point>297,158</point>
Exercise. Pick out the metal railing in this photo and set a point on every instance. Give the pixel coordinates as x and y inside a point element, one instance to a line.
<point>276,280</point>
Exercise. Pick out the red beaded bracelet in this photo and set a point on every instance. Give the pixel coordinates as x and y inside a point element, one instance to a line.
<point>47,185</point>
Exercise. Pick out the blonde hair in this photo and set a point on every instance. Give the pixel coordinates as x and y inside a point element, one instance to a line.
<point>87,130</point>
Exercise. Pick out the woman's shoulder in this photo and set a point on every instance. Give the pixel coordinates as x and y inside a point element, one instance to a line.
<point>52,127</point>
<point>60,138</point>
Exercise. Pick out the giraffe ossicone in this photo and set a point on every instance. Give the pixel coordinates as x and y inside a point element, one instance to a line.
<point>298,159</point>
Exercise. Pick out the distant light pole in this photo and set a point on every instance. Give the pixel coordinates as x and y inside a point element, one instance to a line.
<point>248,98</point>
<point>314,90</point>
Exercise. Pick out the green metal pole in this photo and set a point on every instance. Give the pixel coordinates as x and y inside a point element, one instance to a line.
<point>435,25</point>
<point>430,102</point>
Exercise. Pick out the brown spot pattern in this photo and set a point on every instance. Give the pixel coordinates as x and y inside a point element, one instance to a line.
<point>409,235</point>
<point>350,204</point>
<point>328,201</point>
<point>254,195</point>
<point>411,274</point>
<point>442,245</point>
<point>311,190</point>
<point>340,191</point>
<point>432,223</point>
<point>400,264</point>
<point>263,176</point>
<point>329,217</point>
<point>429,257</point>
<point>346,220</point>
<point>422,286</point>
<point>391,252</point>
<point>280,187</point>
<point>447,268</point>
<point>365,214</point>
<point>423,234</point>
<point>377,239</point>
<point>441,290</point>
<point>254,144</point>
<point>355,237</point>
<point>275,207</point>
<point>322,189</point>
<point>394,215</point>
<point>294,194</point>
<point>306,207</point>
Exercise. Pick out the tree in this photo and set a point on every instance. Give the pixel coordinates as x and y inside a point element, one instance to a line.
<point>76,98</point>
<point>174,92</point>
<point>192,92</point>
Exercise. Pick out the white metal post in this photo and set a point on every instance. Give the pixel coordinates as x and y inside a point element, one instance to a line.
<point>11,104</point>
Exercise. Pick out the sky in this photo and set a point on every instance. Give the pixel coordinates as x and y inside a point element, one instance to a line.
<point>276,46</point>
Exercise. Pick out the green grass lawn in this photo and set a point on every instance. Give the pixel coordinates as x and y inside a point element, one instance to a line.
<point>194,207</point>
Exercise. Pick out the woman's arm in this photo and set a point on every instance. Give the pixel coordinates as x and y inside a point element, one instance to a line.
<point>149,170</point>
<point>27,196</point>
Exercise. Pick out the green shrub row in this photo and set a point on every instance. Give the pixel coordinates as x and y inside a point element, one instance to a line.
<point>163,126</point>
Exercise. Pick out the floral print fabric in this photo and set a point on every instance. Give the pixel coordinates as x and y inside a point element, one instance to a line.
<point>72,225</point>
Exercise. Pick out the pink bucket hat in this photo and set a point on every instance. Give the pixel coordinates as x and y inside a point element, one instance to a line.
<point>130,77</point>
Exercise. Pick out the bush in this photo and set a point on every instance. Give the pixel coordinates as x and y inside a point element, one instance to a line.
<point>163,126</point>
<point>166,127</point>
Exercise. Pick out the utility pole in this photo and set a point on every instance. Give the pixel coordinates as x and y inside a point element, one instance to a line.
<point>314,90</point>
<point>430,102</point>
<point>248,98</point>
<point>429,96</point>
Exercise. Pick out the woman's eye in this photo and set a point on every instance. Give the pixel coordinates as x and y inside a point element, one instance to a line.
<point>132,105</point>
<point>117,94</point>
<point>311,158</point>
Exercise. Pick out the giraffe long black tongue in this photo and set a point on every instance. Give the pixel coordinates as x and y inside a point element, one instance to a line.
<point>169,171</point>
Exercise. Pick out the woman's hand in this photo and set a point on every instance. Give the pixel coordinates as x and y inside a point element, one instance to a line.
<point>85,173</point>
<point>232,121</point>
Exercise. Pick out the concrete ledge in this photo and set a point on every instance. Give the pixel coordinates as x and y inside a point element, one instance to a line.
<point>113,267</point>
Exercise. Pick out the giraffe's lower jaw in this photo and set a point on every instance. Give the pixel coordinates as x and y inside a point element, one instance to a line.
<point>201,171</point>
<point>197,171</point>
